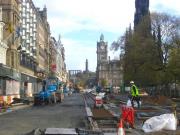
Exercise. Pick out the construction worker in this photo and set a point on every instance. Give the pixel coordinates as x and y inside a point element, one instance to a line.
<point>134,94</point>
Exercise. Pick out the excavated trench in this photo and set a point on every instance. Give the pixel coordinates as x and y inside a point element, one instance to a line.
<point>104,118</point>
<point>101,118</point>
<point>151,107</point>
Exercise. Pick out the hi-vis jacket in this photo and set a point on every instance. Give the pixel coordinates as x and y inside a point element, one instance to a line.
<point>134,91</point>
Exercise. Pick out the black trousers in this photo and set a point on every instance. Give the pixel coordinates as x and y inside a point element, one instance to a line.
<point>137,99</point>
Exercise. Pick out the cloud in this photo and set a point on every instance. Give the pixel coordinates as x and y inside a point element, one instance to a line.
<point>78,51</point>
<point>111,17</point>
<point>166,6</point>
<point>97,14</point>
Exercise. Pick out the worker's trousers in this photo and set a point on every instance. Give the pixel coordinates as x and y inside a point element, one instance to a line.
<point>137,99</point>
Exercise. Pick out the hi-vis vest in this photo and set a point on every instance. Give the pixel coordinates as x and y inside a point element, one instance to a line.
<point>134,91</point>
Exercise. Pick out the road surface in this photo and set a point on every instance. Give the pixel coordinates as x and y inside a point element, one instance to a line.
<point>68,114</point>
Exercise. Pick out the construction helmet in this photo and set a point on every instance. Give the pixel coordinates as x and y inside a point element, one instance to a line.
<point>131,82</point>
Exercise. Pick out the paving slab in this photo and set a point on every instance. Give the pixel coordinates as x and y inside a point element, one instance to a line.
<point>60,131</point>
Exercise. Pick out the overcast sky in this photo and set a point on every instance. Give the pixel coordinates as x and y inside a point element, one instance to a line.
<point>81,22</point>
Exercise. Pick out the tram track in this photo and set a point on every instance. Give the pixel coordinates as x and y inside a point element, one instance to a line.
<point>89,99</point>
<point>99,117</point>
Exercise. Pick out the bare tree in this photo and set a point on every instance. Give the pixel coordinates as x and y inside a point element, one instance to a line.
<point>166,29</point>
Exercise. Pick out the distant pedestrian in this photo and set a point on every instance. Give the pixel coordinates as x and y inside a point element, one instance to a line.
<point>44,85</point>
<point>98,89</point>
<point>134,94</point>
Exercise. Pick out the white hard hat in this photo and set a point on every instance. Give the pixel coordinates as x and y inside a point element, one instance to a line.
<point>131,82</point>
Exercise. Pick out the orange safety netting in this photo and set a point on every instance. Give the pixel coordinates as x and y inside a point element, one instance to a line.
<point>128,114</point>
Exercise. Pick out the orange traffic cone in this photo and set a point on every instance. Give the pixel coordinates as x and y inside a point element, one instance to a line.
<point>120,128</point>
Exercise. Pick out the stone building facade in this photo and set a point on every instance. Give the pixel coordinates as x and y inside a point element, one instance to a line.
<point>57,59</point>
<point>60,61</point>
<point>53,57</point>
<point>25,48</point>
<point>34,54</point>
<point>62,71</point>
<point>3,45</point>
<point>10,16</point>
<point>28,54</point>
<point>102,60</point>
<point>43,43</point>
<point>107,70</point>
<point>9,64</point>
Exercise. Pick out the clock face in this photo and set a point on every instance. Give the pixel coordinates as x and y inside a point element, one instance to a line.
<point>102,47</point>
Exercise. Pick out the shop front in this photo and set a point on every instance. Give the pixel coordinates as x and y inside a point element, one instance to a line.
<point>28,85</point>
<point>9,83</point>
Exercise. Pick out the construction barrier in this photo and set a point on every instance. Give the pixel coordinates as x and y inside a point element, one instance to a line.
<point>1,99</point>
<point>5,102</point>
<point>98,101</point>
<point>8,99</point>
<point>128,115</point>
<point>120,128</point>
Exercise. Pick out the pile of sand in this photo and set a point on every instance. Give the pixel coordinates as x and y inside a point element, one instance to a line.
<point>101,113</point>
<point>158,100</point>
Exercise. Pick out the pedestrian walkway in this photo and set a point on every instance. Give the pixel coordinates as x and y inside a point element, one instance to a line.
<point>15,107</point>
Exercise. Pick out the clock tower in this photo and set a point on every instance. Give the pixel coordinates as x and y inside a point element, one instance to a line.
<point>102,50</point>
<point>108,72</point>
<point>102,60</point>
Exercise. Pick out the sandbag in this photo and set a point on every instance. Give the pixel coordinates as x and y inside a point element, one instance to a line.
<point>172,122</point>
<point>135,103</point>
<point>129,103</point>
<point>154,124</point>
<point>157,123</point>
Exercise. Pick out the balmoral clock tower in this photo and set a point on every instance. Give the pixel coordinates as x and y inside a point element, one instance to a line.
<point>101,50</point>
<point>102,60</point>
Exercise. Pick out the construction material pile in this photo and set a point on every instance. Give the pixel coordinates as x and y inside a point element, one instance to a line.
<point>101,113</point>
<point>157,100</point>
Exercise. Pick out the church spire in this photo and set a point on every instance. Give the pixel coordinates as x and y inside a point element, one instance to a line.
<point>87,66</point>
<point>102,37</point>
<point>142,10</point>
<point>59,39</point>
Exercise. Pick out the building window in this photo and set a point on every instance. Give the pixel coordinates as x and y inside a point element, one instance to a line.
<point>23,32</point>
<point>24,10</point>
<point>21,59</point>
<point>35,66</point>
<point>27,62</point>
<point>12,59</point>
<point>31,64</point>
<point>23,21</point>
<point>27,5</point>
<point>1,83</point>
<point>14,18</point>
